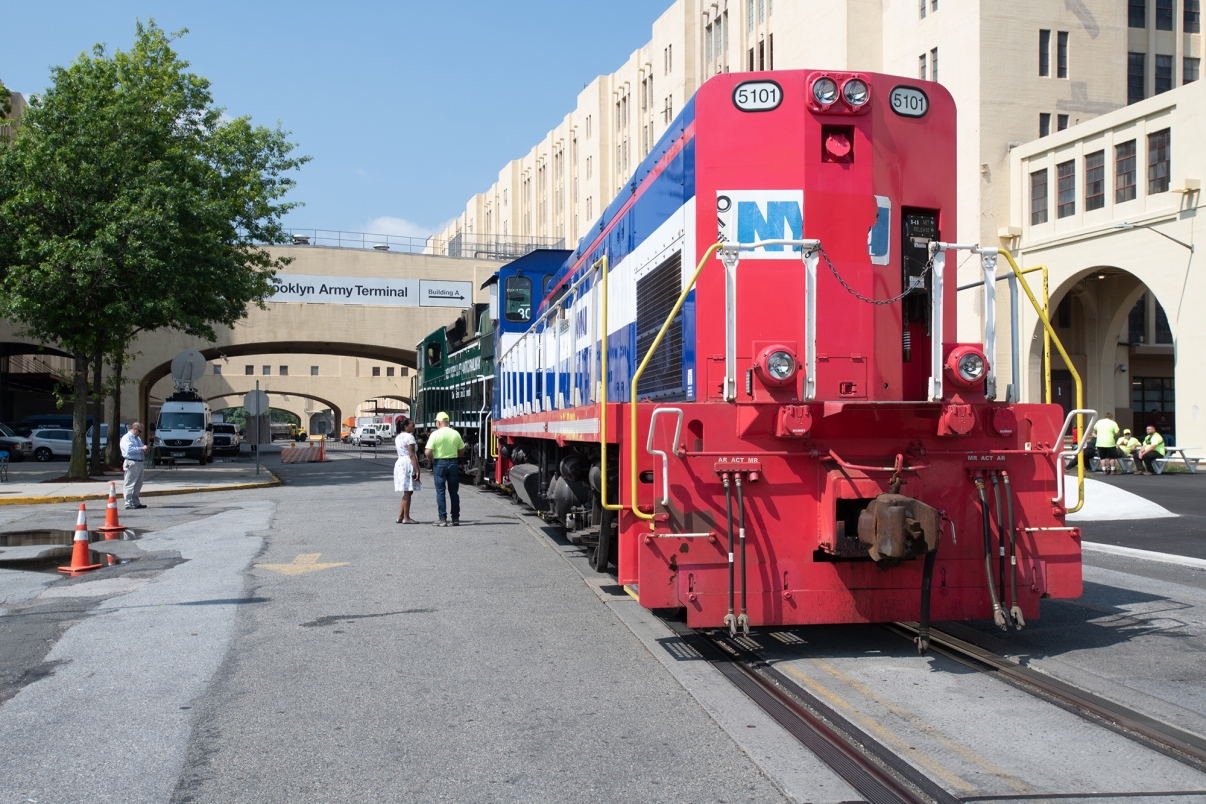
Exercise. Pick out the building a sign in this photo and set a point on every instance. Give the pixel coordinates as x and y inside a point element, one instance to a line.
<point>315,289</point>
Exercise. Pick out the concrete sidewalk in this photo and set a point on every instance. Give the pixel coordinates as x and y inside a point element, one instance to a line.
<point>27,481</point>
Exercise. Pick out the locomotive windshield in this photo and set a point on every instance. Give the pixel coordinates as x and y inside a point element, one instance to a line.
<point>518,299</point>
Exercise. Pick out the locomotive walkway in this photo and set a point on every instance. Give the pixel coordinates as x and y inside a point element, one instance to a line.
<point>294,643</point>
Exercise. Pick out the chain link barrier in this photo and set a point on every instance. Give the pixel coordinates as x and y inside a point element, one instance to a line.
<point>916,282</point>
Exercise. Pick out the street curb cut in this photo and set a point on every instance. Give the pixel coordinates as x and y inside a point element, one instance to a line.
<point>275,481</point>
<point>1147,555</point>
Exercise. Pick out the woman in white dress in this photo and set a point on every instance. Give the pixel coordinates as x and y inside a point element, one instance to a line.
<point>406,468</point>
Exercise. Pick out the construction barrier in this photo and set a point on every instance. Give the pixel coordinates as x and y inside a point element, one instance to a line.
<point>314,452</point>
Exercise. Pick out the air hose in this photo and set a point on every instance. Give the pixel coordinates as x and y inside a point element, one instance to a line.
<point>743,619</point>
<point>729,619</point>
<point>923,624</point>
<point>996,490</point>
<point>1015,610</point>
<point>998,615</point>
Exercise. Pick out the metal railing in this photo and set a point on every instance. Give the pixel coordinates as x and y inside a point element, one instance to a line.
<point>480,247</point>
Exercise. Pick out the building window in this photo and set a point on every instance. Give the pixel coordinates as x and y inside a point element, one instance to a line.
<point>1137,13</point>
<point>921,66</point>
<point>1164,67</point>
<point>762,55</point>
<point>1164,15</point>
<point>1066,177</point>
<point>1044,124</point>
<point>1159,162</point>
<point>1134,76</point>
<point>284,372</point>
<point>249,370</point>
<point>933,5</point>
<point>921,9</point>
<point>376,371</point>
<point>934,64</point>
<point>1136,321</point>
<point>1038,197</point>
<point>1124,172</point>
<point>1044,52</point>
<point>1192,16</point>
<point>313,371</point>
<point>389,371</point>
<point>761,10</point>
<point>1061,122</point>
<point>1061,55</point>
<point>1190,71</point>
<point>587,128</point>
<point>1095,181</point>
<point>749,13</point>
<point>217,368</point>
<point>770,51</point>
<point>405,371</point>
<point>266,371</point>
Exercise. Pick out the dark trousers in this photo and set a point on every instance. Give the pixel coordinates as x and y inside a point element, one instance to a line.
<point>447,471</point>
<point>1149,461</point>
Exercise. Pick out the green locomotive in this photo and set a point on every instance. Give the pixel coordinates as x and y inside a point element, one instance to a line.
<point>456,375</point>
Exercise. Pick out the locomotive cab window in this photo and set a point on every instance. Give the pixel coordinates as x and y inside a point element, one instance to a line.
<point>518,298</point>
<point>435,354</point>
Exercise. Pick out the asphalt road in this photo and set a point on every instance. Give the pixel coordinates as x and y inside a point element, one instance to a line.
<point>295,644</point>
<point>1182,493</point>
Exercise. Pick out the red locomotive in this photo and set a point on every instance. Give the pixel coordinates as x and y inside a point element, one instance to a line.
<point>745,387</point>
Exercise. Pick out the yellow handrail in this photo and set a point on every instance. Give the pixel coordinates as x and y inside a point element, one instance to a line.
<point>682,297</point>
<point>603,401</point>
<point>1080,395</point>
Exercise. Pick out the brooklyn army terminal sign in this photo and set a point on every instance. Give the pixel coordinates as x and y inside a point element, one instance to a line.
<point>312,289</point>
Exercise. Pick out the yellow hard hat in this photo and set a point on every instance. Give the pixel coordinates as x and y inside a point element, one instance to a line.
<point>441,416</point>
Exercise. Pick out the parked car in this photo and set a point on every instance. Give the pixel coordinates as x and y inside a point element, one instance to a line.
<point>50,443</point>
<point>122,430</point>
<point>366,435</point>
<point>19,448</point>
<point>22,430</point>
<point>227,439</point>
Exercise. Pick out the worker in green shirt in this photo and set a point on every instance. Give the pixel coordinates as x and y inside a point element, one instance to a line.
<point>444,449</point>
<point>1152,450</point>
<point>1128,447</point>
<point>1107,440</point>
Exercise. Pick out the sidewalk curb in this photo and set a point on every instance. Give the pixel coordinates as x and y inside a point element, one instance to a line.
<point>1146,555</point>
<point>275,481</point>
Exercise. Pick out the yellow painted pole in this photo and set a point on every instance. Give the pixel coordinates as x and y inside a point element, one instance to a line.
<point>1047,335</point>
<point>682,297</point>
<point>1080,394</point>
<point>603,401</point>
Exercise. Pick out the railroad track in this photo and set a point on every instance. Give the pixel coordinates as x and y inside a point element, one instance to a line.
<point>880,775</point>
<point>1180,745</point>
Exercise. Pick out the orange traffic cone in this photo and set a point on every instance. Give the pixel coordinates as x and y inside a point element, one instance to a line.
<point>112,526</point>
<point>79,549</point>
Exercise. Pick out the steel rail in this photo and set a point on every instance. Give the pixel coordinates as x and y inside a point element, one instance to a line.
<point>876,773</point>
<point>1169,740</point>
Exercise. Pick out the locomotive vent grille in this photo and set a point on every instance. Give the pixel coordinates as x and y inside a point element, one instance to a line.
<point>657,292</point>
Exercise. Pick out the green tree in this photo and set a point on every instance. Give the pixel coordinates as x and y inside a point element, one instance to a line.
<point>128,204</point>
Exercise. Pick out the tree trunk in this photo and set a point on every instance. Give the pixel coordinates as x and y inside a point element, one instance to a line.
<point>97,465</point>
<point>79,420</point>
<point>113,448</point>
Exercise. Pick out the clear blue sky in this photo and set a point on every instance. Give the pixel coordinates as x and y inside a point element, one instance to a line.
<point>407,108</point>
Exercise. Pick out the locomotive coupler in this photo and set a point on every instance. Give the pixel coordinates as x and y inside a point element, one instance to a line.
<point>896,527</point>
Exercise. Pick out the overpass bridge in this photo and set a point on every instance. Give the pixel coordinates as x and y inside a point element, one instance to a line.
<point>345,331</point>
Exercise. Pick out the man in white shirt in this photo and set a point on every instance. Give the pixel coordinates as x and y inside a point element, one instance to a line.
<point>133,453</point>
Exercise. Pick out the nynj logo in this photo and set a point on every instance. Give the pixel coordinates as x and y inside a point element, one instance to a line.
<point>753,216</point>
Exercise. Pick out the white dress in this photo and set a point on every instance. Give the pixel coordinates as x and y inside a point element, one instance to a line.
<point>404,475</point>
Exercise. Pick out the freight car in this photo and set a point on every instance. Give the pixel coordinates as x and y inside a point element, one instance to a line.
<point>744,387</point>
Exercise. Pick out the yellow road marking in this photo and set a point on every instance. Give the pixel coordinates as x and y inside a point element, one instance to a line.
<point>945,740</point>
<point>933,766</point>
<point>306,562</point>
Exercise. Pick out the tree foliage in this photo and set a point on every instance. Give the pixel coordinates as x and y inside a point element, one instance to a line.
<point>129,203</point>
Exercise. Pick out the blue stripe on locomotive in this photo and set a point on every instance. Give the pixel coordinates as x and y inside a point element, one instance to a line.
<point>665,196</point>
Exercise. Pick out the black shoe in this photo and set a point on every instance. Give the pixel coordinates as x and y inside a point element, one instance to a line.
<point>456,522</point>
<point>140,505</point>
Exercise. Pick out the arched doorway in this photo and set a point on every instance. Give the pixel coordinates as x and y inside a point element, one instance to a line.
<point>320,421</point>
<point>1122,343</point>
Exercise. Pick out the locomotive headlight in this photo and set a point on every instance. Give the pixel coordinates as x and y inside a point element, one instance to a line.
<point>777,365</point>
<point>967,365</point>
<point>971,367</point>
<point>825,90</point>
<point>856,92</point>
<point>780,365</point>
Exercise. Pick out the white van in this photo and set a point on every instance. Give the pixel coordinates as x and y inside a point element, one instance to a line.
<point>185,428</point>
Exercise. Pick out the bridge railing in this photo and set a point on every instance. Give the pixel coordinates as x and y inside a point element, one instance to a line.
<point>480,247</point>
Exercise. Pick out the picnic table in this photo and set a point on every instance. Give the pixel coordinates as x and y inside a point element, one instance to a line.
<point>1176,454</point>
